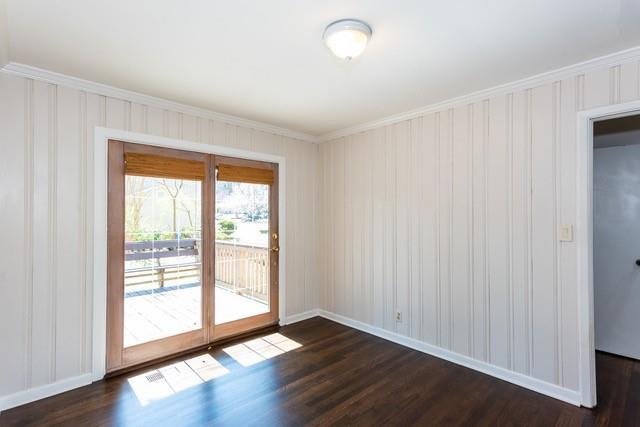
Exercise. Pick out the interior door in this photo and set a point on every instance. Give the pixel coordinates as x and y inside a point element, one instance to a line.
<point>246,245</point>
<point>616,247</point>
<point>159,258</point>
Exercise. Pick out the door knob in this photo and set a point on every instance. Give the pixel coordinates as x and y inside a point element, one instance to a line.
<point>638,262</point>
<point>275,249</point>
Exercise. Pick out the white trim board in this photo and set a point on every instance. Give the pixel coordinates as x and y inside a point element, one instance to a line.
<point>539,386</point>
<point>99,168</point>
<point>294,318</point>
<point>530,383</point>
<point>35,73</point>
<point>32,394</point>
<point>617,58</point>
<point>584,240</point>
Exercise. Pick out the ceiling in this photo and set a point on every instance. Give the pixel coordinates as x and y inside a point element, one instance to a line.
<point>265,60</point>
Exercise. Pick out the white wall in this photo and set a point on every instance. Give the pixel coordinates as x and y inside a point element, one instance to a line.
<point>450,217</point>
<point>4,35</point>
<point>46,147</point>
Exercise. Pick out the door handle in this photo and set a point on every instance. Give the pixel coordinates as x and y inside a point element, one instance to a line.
<point>275,249</point>
<point>638,262</point>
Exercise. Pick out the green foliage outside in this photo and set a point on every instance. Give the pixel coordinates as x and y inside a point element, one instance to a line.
<point>225,230</point>
<point>167,235</point>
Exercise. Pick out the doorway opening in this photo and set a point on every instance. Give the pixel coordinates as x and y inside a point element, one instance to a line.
<point>192,250</point>
<point>616,247</point>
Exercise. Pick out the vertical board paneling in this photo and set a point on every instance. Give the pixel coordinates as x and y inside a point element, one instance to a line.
<point>520,232</point>
<point>48,143</point>
<point>568,259</point>
<point>13,292</point>
<point>138,119</point>
<point>543,236</point>
<point>155,121</point>
<point>331,248</point>
<point>356,185</point>
<point>292,186</point>
<point>401,224</point>
<point>368,229</point>
<point>172,124</point>
<point>95,115</point>
<point>450,219</point>
<point>429,239</point>
<point>415,230</point>
<point>189,127</point>
<point>483,188</point>
<point>377,149</point>
<point>219,133</point>
<point>629,81</point>
<point>597,88</point>
<point>116,113</point>
<point>69,322</point>
<point>339,230</point>
<point>348,288</point>
<point>497,192</point>
<point>460,274</point>
<point>390,229</point>
<point>244,140</point>
<point>41,310</point>
<point>445,182</point>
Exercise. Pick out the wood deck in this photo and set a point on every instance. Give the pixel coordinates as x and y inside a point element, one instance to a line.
<point>162,312</point>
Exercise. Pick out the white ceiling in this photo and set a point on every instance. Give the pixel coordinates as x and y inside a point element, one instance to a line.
<point>265,60</point>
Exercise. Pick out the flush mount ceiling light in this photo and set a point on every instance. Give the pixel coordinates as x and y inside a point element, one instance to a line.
<point>347,38</point>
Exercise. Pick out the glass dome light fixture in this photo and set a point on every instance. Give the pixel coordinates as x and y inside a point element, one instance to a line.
<point>347,38</point>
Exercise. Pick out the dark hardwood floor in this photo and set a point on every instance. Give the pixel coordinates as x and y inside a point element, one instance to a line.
<point>340,376</point>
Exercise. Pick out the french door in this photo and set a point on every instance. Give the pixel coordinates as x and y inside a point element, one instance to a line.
<point>192,251</point>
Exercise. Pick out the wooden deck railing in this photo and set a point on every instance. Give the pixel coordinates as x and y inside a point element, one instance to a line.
<point>243,269</point>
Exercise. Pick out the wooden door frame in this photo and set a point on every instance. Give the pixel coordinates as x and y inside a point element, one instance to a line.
<point>254,322</point>
<point>118,356</point>
<point>96,301</point>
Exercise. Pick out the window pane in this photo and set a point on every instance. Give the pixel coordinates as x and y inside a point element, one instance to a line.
<point>242,254</point>
<point>163,234</point>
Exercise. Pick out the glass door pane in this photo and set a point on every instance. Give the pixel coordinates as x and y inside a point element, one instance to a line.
<point>163,258</point>
<point>242,251</point>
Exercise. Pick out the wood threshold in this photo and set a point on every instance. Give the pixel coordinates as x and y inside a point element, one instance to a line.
<point>196,349</point>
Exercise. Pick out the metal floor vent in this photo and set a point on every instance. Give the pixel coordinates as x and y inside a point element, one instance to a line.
<point>156,376</point>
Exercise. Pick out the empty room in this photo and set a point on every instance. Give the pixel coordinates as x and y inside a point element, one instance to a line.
<point>296,212</point>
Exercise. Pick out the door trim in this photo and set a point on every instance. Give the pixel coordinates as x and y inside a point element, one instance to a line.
<point>584,241</point>
<point>97,305</point>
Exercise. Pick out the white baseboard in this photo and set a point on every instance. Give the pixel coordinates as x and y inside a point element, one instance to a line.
<point>299,317</point>
<point>37,393</point>
<point>539,386</point>
<point>543,387</point>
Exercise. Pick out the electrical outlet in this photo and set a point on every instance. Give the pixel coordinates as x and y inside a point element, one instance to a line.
<point>399,316</point>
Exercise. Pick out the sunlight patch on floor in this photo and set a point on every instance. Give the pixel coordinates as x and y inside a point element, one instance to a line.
<point>160,383</point>
<point>259,349</point>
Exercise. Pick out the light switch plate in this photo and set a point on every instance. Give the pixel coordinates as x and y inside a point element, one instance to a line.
<point>566,232</point>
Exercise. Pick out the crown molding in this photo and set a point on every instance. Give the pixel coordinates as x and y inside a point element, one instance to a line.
<point>616,58</point>
<point>35,73</point>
